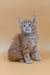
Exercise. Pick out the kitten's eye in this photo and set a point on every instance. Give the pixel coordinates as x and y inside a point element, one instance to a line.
<point>24,25</point>
<point>30,25</point>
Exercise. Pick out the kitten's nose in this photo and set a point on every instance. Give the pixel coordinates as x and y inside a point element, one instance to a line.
<point>26,28</point>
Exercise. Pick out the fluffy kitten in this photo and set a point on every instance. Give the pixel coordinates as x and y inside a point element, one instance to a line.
<point>25,44</point>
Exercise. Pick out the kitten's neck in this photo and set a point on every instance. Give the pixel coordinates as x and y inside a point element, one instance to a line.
<point>29,35</point>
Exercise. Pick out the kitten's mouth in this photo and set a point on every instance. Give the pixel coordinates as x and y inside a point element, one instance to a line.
<point>27,29</point>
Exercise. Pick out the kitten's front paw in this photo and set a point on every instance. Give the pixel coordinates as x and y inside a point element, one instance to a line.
<point>29,62</point>
<point>38,58</point>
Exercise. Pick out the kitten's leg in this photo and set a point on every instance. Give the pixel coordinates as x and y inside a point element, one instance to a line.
<point>37,58</point>
<point>27,59</point>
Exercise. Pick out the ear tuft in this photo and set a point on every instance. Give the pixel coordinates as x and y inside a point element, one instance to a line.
<point>20,20</point>
<point>33,20</point>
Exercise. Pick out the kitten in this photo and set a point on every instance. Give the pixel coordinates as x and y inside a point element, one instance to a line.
<point>25,44</point>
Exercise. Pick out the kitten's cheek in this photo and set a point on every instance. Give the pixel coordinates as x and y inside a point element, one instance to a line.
<point>30,30</point>
<point>24,29</point>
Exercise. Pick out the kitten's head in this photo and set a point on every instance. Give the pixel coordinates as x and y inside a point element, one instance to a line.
<point>28,26</point>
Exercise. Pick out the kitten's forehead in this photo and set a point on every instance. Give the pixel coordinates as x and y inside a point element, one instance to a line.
<point>27,21</point>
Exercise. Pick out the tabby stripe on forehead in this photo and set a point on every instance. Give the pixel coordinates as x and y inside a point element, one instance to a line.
<point>27,21</point>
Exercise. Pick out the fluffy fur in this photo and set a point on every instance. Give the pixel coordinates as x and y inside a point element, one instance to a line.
<point>25,44</point>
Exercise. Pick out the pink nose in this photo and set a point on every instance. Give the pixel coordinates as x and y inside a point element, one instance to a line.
<point>26,28</point>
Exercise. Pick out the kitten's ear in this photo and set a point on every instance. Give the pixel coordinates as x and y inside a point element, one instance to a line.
<point>20,20</point>
<point>33,20</point>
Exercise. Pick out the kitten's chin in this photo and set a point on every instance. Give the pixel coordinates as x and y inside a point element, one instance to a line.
<point>27,32</point>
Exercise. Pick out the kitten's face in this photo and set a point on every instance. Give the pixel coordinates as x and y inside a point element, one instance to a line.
<point>27,26</point>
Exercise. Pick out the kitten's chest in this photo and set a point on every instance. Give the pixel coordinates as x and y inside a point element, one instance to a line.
<point>33,42</point>
<point>29,42</point>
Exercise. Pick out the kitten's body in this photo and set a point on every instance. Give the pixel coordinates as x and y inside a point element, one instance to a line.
<point>23,45</point>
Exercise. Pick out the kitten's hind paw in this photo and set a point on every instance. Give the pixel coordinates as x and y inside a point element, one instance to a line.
<point>21,61</point>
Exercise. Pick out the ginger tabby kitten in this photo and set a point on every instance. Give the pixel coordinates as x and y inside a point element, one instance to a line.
<point>25,44</point>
